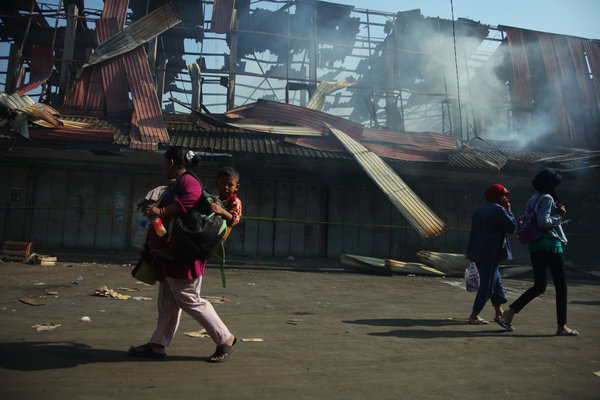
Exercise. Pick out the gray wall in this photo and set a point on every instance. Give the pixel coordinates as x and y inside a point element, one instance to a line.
<point>67,208</point>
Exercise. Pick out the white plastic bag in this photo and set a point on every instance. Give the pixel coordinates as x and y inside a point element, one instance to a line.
<point>472,277</point>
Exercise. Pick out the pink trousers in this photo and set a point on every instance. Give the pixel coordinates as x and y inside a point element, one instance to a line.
<point>175,295</point>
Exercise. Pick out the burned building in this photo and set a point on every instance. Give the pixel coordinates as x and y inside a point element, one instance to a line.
<point>93,96</point>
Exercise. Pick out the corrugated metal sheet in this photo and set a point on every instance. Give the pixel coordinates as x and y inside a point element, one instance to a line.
<point>248,143</point>
<point>114,78</point>
<point>417,146</point>
<point>592,51</point>
<point>419,140</point>
<point>78,93</point>
<point>524,158</point>
<point>116,9</point>
<point>522,96</point>
<point>69,134</point>
<point>222,16</point>
<point>281,129</point>
<point>148,113</point>
<point>136,34</point>
<point>317,101</point>
<point>15,101</point>
<point>450,263</point>
<point>274,111</point>
<point>417,213</point>
<point>40,68</point>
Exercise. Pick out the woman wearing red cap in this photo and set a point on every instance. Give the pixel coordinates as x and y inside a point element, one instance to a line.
<point>487,247</point>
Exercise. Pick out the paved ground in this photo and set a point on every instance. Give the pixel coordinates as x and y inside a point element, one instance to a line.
<point>327,334</point>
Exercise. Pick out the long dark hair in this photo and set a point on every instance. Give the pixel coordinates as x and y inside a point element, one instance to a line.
<point>182,157</point>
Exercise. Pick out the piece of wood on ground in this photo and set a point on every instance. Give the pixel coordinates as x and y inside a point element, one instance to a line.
<point>402,267</point>
<point>369,264</point>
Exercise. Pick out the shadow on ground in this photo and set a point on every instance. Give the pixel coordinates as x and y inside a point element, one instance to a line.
<point>35,356</point>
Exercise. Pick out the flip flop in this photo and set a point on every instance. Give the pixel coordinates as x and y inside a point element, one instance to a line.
<point>146,351</point>
<point>506,325</point>
<point>222,350</point>
<point>479,322</point>
<point>572,332</point>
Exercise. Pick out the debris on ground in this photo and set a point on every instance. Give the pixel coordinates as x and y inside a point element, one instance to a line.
<point>252,340</point>
<point>202,333</point>
<point>31,301</point>
<point>451,263</point>
<point>16,251</point>
<point>47,326</point>
<point>133,289</point>
<point>104,291</point>
<point>85,318</point>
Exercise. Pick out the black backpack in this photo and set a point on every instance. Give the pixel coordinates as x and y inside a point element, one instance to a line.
<point>200,231</point>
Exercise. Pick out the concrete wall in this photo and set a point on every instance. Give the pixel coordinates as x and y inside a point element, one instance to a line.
<point>93,208</point>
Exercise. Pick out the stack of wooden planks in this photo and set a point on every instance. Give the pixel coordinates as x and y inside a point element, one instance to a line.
<point>16,251</point>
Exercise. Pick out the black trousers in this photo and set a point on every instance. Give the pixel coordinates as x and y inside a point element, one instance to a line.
<point>540,262</point>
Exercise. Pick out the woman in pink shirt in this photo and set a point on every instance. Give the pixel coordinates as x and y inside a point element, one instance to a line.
<point>180,279</point>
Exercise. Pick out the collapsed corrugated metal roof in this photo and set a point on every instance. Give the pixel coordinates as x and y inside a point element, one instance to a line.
<point>416,212</point>
<point>136,34</point>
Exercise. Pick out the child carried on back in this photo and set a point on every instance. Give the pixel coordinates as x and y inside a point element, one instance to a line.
<point>228,184</point>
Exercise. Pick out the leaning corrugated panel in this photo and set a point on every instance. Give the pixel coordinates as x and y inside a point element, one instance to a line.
<point>147,110</point>
<point>416,212</point>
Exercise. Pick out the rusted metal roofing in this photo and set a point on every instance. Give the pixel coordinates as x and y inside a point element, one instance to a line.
<point>15,101</point>
<point>40,68</point>
<point>416,212</point>
<point>494,158</point>
<point>71,134</point>
<point>222,16</point>
<point>249,143</point>
<point>274,111</point>
<point>521,88</point>
<point>148,114</point>
<point>115,9</point>
<point>416,146</point>
<point>281,129</point>
<point>114,78</point>
<point>136,34</point>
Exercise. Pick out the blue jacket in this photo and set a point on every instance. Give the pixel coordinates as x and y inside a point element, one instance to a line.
<point>487,240</point>
<point>548,218</point>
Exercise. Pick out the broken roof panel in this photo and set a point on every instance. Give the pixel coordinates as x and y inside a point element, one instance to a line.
<point>148,113</point>
<point>416,212</point>
<point>136,34</point>
<point>40,66</point>
<point>274,111</point>
<point>223,11</point>
<point>114,78</point>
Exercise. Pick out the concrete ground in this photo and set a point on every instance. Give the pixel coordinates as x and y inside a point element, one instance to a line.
<point>327,333</point>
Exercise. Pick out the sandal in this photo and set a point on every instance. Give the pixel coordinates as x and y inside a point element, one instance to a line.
<point>571,332</point>
<point>145,350</point>
<point>506,325</point>
<point>224,351</point>
<point>478,322</point>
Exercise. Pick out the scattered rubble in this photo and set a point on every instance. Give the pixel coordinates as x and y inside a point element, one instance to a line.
<point>47,326</point>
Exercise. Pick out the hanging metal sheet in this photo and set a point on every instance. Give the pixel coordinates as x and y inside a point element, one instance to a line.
<point>522,96</point>
<point>148,115</point>
<point>114,78</point>
<point>416,212</point>
<point>317,101</point>
<point>136,34</point>
<point>41,67</point>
